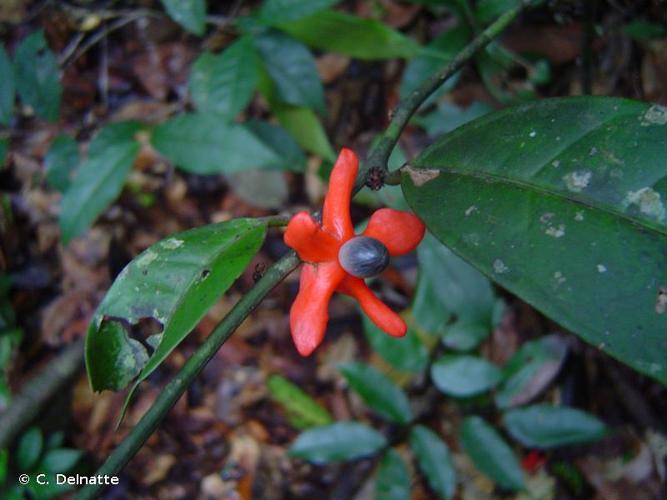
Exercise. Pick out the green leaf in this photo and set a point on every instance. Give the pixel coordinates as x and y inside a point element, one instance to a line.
<point>491,454</point>
<point>174,282</point>
<point>4,465</point>
<point>292,68</point>
<point>406,353</point>
<point>460,288</point>
<point>530,370</point>
<point>203,143</point>
<point>61,162</point>
<point>441,51</point>
<point>434,460</point>
<point>29,449</point>
<point>428,311</point>
<point>7,88</point>
<point>37,76</point>
<point>465,335</point>
<point>337,443</point>
<point>302,410</point>
<point>487,10</point>
<point>351,35</point>
<point>4,149</point>
<point>190,14</point>
<point>378,391</point>
<point>99,179</point>
<point>225,83</point>
<point>393,478</point>
<point>274,12</point>
<point>562,203</point>
<point>306,129</point>
<point>288,153</point>
<point>464,376</point>
<point>545,426</point>
<point>643,31</point>
<point>60,460</point>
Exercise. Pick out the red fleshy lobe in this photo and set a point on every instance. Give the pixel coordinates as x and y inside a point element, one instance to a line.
<point>318,246</point>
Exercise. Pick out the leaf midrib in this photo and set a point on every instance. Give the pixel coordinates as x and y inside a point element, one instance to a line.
<point>528,186</point>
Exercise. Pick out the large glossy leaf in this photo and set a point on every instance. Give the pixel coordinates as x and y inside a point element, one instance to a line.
<point>530,370</point>
<point>203,143</point>
<point>434,460</point>
<point>562,202</point>
<point>337,442</point>
<point>393,478</point>
<point>292,68</point>
<point>7,88</point>
<point>173,282</point>
<point>274,12</point>
<point>38,76</point>
<point>191,14</point>
<point>351,35</point>
<point>378,391</point>
<point>99,179</point>
<point>464,376</point>
<point>224,83</point>
<point>29,449</point>
<point>491,454</point>
<point>302,410</point>
<point>545,426</point>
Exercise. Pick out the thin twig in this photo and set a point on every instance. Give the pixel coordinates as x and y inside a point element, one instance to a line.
<point>277,272</point>
<point>379,155</point>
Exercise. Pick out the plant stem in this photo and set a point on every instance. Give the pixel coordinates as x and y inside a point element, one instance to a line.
<point>186,375</point>
<point>379,155</point>
<point>276,273</point>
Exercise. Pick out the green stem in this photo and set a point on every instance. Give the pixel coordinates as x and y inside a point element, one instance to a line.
<point>379,155</point>
<point>276,273</point>
<point>186,375</point>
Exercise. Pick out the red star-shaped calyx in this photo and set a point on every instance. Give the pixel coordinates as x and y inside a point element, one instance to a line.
<point>319,246</point>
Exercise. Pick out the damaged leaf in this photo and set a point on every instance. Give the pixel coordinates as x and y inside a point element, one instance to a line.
<point>174,282</point>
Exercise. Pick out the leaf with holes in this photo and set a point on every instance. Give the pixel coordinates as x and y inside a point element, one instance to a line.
<point>173,282</point>
<point>562,202</point>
